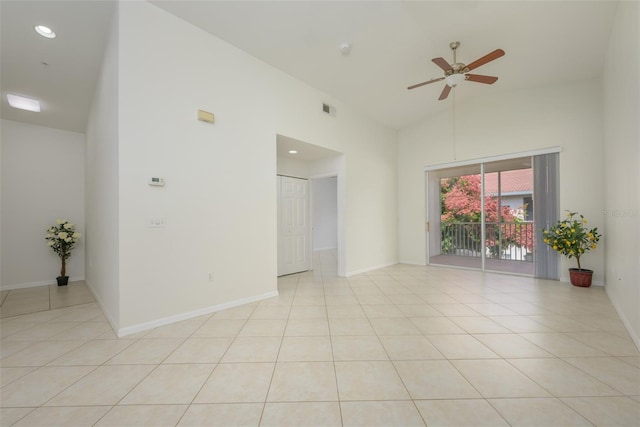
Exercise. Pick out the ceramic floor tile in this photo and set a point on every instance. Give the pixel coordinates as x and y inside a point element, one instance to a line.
<point>479,325</point>
<point>409,347</point>
<point>94,352</point>
<point>9,416</point>
<point>461,347</point>
<point>520,324</point>
<point>366,347</point>
<point>606,342</point>
<point>85,331</point>
<point>562,379</point>
<point>7,348</point>
<point>200,350</point>
<point>538,412</point>
<point>9,375</point>
<point>263,328</point>
<point>369,381</point>
<point>11,328</point>
<point>143,415</point>
<point>349,326</point>
<point>394,326</point>
<point>305,349</point>
<point>308,312</point>
<point>611,371</point>
<point>253,349</point>
<point>511,346</point>
<point>308,414</point>
<point>496,379</point>
<point>436,325</point>
<point>607,411</point>
<point>460,412</point>
<point>385,413</point>
<point>561,323</point>
<point>434,379</point>
<point>307,327</point>
<point>106,385</point>
<point>345,311</point>
<point>561,345</point>
<point>39,353</point>
<point>146,351</point>
<point>36,388</point>
<point>341,300</point>
<point>219,328</point>
<point>382,310</point>
<point>271,312</point>
<point>632,360</point>
<point>303,381</point>
<point>169,384</point>
<point>235,414</point>
<point>44,331</point>
<point>456,309</point>
<point>374,299</point>
<point>63,416</point>
<point>419,310</point>
<point>237,382</point>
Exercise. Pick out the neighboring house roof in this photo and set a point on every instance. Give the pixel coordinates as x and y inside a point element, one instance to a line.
<point>515,181</point>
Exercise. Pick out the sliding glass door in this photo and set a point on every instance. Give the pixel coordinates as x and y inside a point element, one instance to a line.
<point>482,216</point>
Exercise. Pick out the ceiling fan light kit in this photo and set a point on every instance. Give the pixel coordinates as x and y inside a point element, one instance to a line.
<point>457,72</point>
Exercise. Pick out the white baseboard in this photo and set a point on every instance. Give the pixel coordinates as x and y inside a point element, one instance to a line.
<point>107,314</point>
<point>191,314</point>
<point>634,337</point>
<point>367,269</point>
<point>35,284</point>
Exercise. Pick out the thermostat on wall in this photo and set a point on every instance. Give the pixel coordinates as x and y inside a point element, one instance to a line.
<point>156,181</point>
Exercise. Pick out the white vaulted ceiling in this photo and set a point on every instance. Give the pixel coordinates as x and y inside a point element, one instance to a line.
<point>546,43</point>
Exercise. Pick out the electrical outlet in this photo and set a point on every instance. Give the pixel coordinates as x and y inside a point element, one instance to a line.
<point>211,277</point>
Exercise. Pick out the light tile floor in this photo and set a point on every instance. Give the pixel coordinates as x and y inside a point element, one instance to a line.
<point>401,346</point>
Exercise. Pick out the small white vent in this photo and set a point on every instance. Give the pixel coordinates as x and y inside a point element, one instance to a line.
<point>328,109</point>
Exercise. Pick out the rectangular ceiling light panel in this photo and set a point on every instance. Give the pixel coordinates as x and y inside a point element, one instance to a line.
<point>29,104</point>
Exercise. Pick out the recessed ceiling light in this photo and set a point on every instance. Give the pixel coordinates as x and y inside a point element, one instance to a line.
<point>293,151</point>
<point>45,31</point>
<point>29,104</point>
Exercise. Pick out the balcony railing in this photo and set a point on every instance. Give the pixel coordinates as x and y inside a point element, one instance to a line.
<point>505,240</point>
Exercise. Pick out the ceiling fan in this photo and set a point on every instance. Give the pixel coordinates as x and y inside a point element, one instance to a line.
<point>458,72</point>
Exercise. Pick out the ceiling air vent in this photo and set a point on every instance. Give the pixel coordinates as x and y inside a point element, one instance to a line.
<point>328,109</point>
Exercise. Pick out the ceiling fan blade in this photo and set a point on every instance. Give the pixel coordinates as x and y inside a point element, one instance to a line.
<point>425,83</point>
<point>445,92</point>
<point>487,58</point>
<point>442,63</point>
<point>480,78</point>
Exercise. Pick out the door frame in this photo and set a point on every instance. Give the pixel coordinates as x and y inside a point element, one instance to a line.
<point>478,161</point>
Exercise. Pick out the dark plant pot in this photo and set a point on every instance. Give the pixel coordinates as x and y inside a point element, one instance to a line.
<point>580,277</point>
<point>62,280</point>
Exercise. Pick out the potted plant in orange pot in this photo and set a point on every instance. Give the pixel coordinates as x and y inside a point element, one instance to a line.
<point>62,238</point>
<point>573,239</point>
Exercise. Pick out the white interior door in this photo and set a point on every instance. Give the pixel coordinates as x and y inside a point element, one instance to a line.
<point>293,225</point>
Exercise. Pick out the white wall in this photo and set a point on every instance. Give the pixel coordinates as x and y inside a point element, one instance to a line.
<point>102,237</point>
<point>621,172</point>
<point>324,211</point>
<point>220,195</point>
<point>569,116</point>
<point>42,181</point>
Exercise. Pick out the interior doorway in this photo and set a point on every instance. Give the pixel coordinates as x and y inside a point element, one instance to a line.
<point>325,171</point>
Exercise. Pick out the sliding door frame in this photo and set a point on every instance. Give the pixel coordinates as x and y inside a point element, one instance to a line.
<point>432,211</point>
